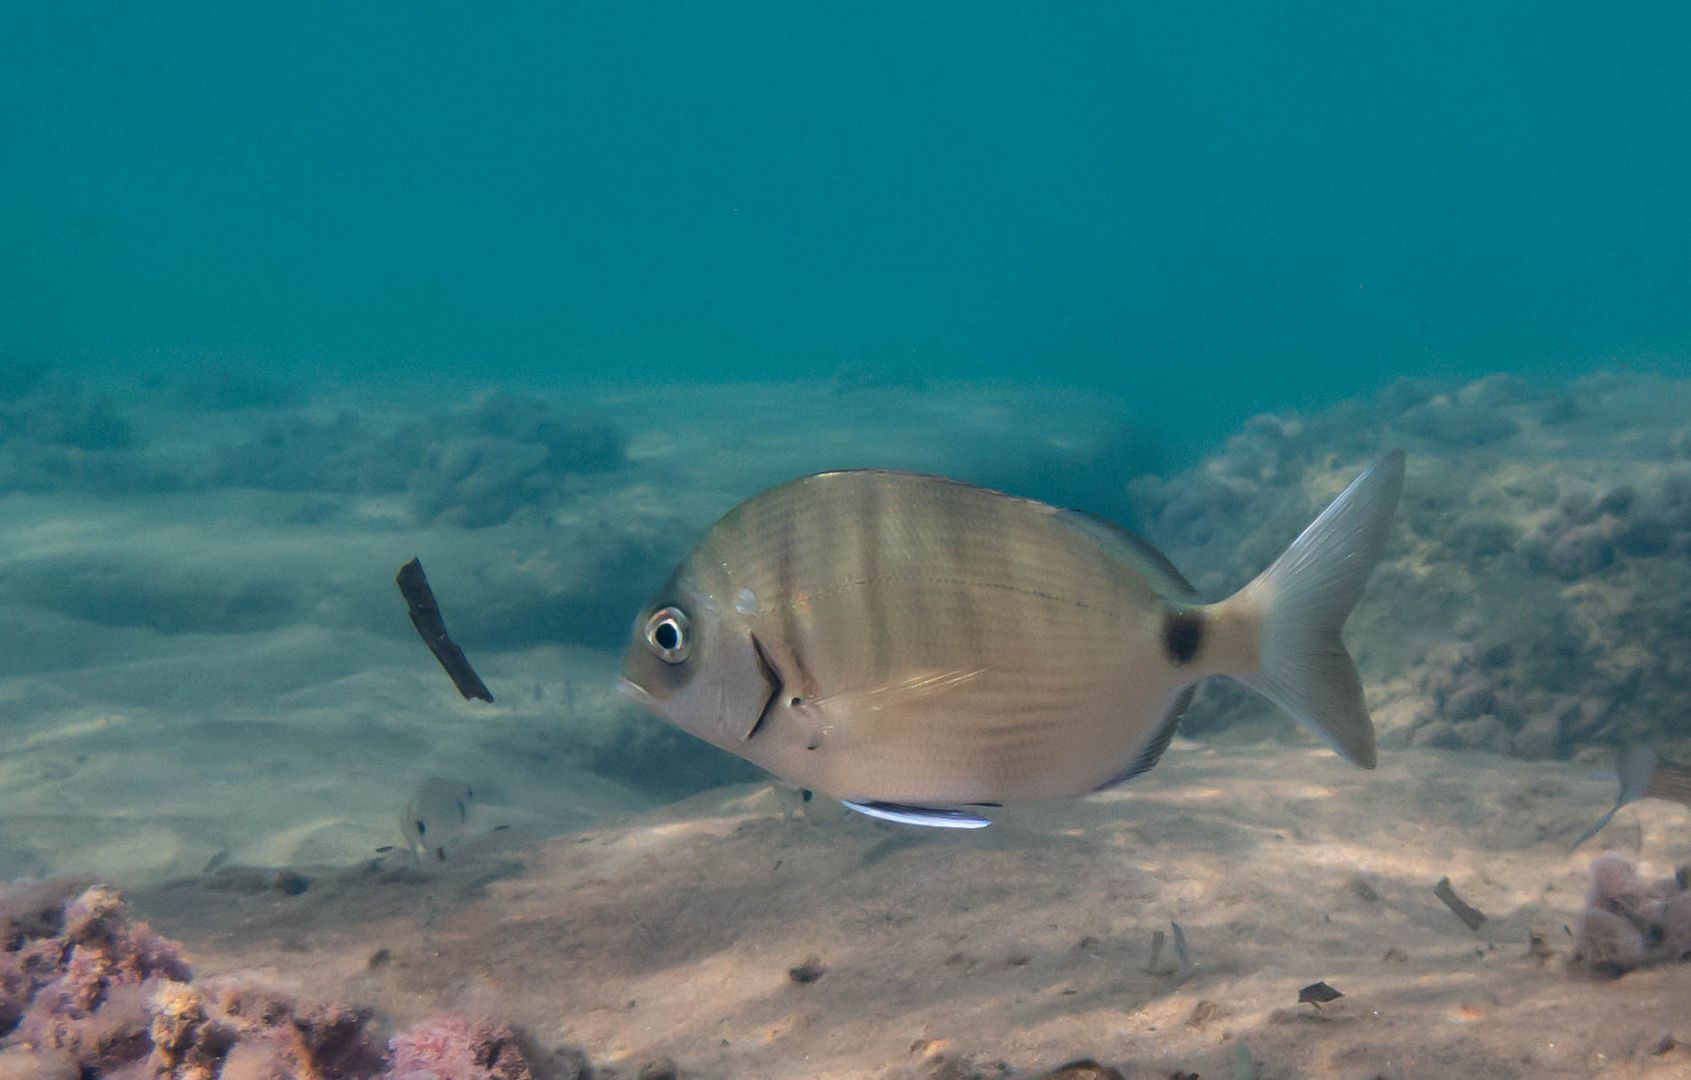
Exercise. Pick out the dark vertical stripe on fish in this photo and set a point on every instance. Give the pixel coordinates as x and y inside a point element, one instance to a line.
<point>871,535</point>
<point>830,557</point>
<point>954,534</point>
<point>783,532</point>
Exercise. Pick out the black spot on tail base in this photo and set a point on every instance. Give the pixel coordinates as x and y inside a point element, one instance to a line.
<point>1183,636</point>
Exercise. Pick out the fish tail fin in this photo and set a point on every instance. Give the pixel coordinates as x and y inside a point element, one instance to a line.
<point>1293,611</point>
<point>1636,769</point>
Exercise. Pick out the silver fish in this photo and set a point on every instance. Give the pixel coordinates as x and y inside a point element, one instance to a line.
<point>919,648</point>
<point>436,815</point>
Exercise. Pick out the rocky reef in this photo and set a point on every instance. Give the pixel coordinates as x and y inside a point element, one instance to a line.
<point>1630,922</point>
<point>87,992</point>
<point>1538,565</point>
<point>472,466</point>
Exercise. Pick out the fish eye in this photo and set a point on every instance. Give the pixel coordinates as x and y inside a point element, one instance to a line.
<point>666,634</point>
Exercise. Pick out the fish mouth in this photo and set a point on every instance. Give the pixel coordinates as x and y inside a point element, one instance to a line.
<point>634,692</point>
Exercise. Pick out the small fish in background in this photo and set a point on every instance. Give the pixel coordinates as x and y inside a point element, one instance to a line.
<point>437,815</point>
<point>920,649</point>
<point>1643,775</point>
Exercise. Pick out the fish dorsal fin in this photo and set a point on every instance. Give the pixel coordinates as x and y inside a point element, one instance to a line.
<point>931,817</point>
<point>1136,550</point>
<point>900,691</point>
<point>1153,751</point>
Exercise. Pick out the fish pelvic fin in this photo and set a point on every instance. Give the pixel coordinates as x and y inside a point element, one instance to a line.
<point>931,817</point>
<point>1279,635</point>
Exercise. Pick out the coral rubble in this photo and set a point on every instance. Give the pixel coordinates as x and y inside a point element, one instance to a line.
<point>1630,922</point>
<point>87,992</point>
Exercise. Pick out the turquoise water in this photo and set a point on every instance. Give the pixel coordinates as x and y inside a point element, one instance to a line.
<point>1295,203</point>
<point>291,294</point>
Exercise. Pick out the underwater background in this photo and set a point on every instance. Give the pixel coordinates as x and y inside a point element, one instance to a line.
<point>290,295</point>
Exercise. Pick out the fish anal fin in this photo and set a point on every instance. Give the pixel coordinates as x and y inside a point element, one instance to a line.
<point>1153,752</point>
<point>926,816</point>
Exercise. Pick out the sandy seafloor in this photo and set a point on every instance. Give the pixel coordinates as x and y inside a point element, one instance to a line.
<point>204,666</point>
<point>673,934</point>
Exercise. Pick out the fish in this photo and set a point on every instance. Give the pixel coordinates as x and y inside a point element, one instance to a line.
<point>924,650</point>
<point>437,814</point>
<point>1643,775</point>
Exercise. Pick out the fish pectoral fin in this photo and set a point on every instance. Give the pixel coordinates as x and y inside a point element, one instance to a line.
<point>912,687</point>
<point>926,816</point>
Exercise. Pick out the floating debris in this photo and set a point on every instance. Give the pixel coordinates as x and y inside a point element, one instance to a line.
<point>425,616</point>
<point>1396,955</point>
<point>1364,891</point>
<point>1317,993</point>
<point>1470,915</point>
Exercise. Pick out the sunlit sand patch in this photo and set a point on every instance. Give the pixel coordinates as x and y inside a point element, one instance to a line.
<point>1170,796</point>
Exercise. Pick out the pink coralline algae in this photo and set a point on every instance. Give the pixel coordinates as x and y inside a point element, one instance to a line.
<point>455,1046</point>
<point>76,975</point>
<point>1630,922</point>
<point>86,992</point>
